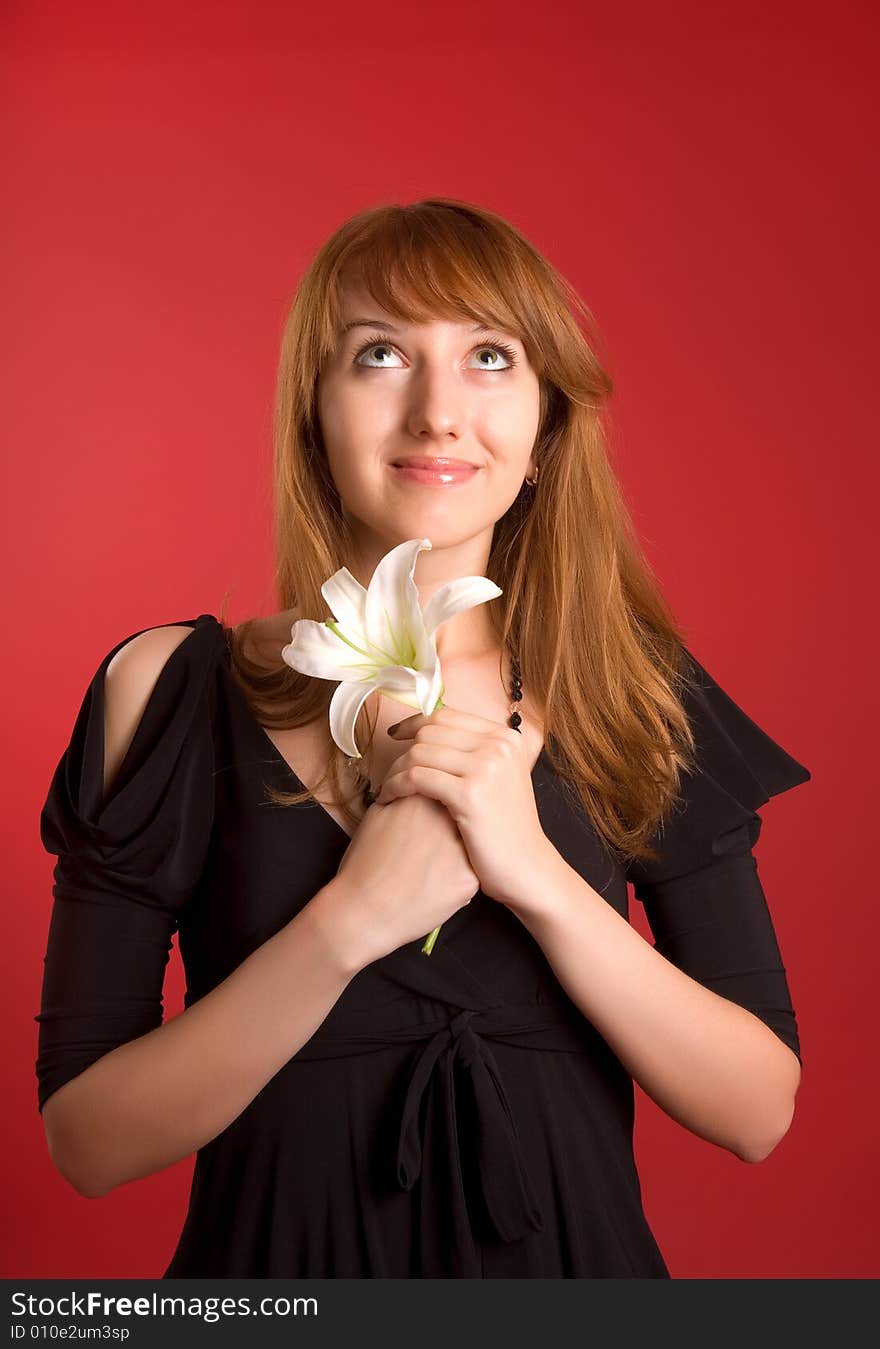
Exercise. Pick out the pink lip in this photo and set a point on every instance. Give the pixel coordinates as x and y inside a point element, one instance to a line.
<point>434,462</point>
<point>436,472</point>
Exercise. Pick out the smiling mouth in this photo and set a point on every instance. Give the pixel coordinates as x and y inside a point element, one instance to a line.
<point>436,473</point>
<point>432,462</point>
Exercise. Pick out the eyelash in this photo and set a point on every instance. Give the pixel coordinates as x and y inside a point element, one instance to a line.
<point>383,340</point>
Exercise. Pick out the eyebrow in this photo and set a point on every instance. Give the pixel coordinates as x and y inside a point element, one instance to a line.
<point>383,323</point>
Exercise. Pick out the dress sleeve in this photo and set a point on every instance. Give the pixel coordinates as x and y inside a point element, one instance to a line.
<point>125,866</point>
<point>703,898</point>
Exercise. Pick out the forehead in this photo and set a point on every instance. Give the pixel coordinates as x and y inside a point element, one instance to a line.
<point>358,307</point>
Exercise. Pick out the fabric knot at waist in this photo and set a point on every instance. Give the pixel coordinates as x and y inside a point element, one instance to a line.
<point>480,1164</point>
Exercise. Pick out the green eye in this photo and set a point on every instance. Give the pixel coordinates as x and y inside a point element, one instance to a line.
<point>383,340</point>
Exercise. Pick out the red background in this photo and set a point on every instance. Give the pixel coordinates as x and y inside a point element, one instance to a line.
<point>702,177</point>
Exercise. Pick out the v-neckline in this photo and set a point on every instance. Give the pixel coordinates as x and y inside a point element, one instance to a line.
<point>285,762</point>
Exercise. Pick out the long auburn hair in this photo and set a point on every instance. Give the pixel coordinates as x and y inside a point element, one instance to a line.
<point>599,649</point>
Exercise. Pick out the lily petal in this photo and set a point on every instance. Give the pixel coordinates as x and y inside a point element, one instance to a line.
<point>456,596</point>
<point>315,649</point>
<point>393,617</point>
<point>418,688</point>
<point>347,599</point>
<point>346,703</point>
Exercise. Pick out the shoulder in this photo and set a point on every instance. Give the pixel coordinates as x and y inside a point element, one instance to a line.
<point>133,789</point>
<point>738,767</point>
<point>141,657</point>
<point>130,680</point>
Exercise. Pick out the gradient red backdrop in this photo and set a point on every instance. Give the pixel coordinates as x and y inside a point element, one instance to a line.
<point>702,177</point>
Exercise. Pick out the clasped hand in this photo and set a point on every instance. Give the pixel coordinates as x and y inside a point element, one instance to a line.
<point>479,770</point>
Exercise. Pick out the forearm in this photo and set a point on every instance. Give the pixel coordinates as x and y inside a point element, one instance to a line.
<point>707,1062</point>
<point>161,1097</point>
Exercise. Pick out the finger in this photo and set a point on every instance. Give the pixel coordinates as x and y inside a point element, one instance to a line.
<point>452,759</point>
<point>431,738</point>
<point>422,781</point>
<point>443,716</point>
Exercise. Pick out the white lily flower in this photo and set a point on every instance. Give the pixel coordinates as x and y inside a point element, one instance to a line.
<point>381,640</point>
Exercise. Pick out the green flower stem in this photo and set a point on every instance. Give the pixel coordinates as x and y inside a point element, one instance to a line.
<point>432,937</point>
<point>429,941</point>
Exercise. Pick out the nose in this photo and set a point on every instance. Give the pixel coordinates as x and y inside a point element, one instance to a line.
<point>437,408</point>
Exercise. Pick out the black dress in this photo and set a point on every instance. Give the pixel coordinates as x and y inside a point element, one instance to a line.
<point>454,1115</point>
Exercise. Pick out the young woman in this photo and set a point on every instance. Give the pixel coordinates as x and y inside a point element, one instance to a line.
<point>360,1108</point>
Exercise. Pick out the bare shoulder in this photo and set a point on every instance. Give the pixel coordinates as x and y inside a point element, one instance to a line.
<point>129,681</point>
<point>147,647</point>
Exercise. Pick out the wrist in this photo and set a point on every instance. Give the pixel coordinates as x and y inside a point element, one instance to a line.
<point>332,921</point>
<point>537,891</point>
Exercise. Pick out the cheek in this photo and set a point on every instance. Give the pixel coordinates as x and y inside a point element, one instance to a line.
<point>509,428</point>
<point>528,415</point>
<point>333,414</point>
<point>356,419</point>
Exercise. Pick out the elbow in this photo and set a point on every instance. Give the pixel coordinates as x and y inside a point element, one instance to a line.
<point>85,1185</point>
<point>759,1147</point>
<point>755,1155</point>
<point>80,1176</point>
<point>84,1189</point>
<point>66,1157</point>
<point>94,1194</point>
<point>759,1150</point>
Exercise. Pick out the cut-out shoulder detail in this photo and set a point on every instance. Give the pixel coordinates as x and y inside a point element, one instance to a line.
<point>130,860</point>
<point>129,682</point>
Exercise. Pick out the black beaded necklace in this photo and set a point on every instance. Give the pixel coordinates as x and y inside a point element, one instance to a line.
<point>514,720</point>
